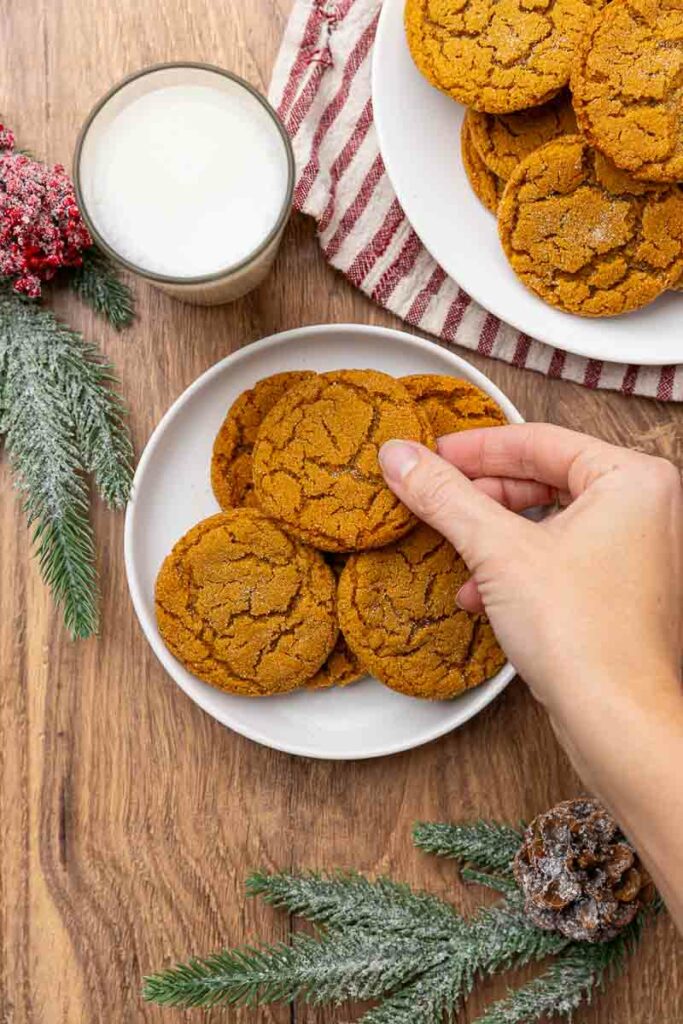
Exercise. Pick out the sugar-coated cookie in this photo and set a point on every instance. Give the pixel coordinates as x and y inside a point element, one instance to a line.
<point>231,476</point>
<point>627,86</point>
<point>246,607</point>
<point>315,459</point>
<point>398,613</point>
<point>585,236</point>
<point>497,55</point>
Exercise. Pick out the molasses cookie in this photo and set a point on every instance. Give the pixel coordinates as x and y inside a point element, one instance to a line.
<point>627,87</point>
<point>487,186</point>
<point>587,237</point>
<point>342,667</point>
<point>246,607</point>
<point>503,140</point>
<point>452,404</point>
<point>315,459</point>
<point>497,55</point>
<point>231,477</point>
<point>398,612</point>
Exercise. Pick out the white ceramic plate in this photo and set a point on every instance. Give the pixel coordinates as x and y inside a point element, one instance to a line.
<point>419,136</point>
<point>171,492</point>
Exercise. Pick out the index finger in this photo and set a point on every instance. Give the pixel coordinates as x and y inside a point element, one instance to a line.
<point>526,451</point>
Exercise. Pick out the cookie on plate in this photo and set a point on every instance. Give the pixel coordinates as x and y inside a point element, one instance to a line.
<point>452,404</point>
<point>487,186</point>
<point>315,459</point>
<point>398,612</point>
<point>245,607</point>
<point>342,666</point>
<point>503,140</point>
<point>231,477</point>
<point>497,56</point>
<point>627,87</point>
<point>585,236</point>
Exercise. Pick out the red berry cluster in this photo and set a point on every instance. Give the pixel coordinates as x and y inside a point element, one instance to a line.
<point>41,228</point>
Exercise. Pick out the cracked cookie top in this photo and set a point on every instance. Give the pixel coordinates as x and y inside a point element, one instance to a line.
<point>502,140</point>
<point>587,237</point>
<point>497,55</point>
<point>627,87</point>
<point>315,459</point>
<point>487,186</point>
<point>246,607</point>
<point>452,404</point>
<point>231,476</point>
<point>398,612</point>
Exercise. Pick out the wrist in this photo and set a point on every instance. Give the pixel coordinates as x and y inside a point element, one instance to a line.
<point>594,687</point>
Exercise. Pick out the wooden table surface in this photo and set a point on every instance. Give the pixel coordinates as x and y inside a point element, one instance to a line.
<point>129,818</point>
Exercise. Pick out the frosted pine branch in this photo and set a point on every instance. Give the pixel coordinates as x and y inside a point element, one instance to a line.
<point>62,418</point>
<point>49,473</point>
<point>485,844</point>
<point>379,940</point>
<point>567,984</point>
<point>348,900</point>
<point>318,970</point>
<point>98,284</point>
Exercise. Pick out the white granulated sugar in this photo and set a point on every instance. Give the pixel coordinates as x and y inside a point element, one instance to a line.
<point>186,180</point>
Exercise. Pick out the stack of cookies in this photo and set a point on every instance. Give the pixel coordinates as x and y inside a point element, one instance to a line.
<point>573,137</point>
<point>315,573</point>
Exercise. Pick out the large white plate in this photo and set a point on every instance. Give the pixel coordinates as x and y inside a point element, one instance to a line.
<point>419,136</point>
<point>171,492</point>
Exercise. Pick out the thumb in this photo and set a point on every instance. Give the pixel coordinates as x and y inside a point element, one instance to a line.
<point>438,493</point>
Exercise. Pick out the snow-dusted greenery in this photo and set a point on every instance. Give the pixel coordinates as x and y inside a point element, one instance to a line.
<point>61,418</point>
<point>408,951</point>
<point>97,283</point>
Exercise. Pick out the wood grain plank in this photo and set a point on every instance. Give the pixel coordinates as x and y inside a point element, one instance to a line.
<point>129,818</point>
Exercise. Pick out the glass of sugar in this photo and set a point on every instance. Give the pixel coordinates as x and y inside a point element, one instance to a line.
<point>184,174</point>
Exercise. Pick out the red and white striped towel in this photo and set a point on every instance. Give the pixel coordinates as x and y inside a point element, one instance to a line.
<point>321,89</point>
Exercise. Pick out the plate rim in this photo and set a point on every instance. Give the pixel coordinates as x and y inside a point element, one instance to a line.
<point>641,358</point>
<point>487,693</point>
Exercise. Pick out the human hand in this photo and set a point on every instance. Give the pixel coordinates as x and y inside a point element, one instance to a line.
<point>595,591</point>
<point>587,604</point>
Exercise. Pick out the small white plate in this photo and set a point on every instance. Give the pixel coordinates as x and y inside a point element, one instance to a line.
<point>419,136</point>
<point>172,492</point>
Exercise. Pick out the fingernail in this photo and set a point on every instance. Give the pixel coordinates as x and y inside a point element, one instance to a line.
<point>397,458</point>
<point>457,598</point>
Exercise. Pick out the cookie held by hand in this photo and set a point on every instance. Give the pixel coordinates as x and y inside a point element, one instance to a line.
<point>315,459</point>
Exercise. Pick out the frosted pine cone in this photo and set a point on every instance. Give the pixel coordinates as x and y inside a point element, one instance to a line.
<point>579,874</point>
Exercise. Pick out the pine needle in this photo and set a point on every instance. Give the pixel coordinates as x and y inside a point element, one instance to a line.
<point>61,419</point>
<point>503,884</point>
<point>348,900</point>
<point>485,844</point>
<point>98,284</point>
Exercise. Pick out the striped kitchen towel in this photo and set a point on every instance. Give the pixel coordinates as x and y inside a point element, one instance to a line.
<point>321,89</point>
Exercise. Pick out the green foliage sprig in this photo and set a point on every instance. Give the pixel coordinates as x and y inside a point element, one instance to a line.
<point>409,951</point>
<point>62,419</point>
<point>97,283</point>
